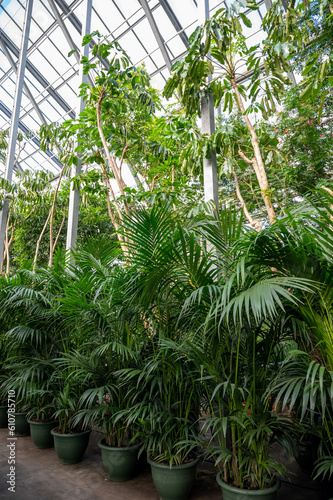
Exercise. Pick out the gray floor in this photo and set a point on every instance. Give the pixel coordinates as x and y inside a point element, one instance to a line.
<point>40,476</point>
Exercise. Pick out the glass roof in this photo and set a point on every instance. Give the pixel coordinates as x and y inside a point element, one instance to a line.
<point>52,77</point>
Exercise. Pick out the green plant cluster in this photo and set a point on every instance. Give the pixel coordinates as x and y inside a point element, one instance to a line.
<point>184,347</point>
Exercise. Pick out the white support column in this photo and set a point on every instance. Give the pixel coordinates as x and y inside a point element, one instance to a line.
<point>208,126</point>
<point>74,197</point>
<point>15,119</point>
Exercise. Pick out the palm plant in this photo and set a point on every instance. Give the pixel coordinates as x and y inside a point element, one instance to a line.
<point>299,245</point>
<point>165,409</point>
<point>239,425</point>
<point>208,291</point>
<point>94,305</point>
<point>38,337</point>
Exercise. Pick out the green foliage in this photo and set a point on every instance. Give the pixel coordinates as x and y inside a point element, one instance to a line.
<point>219,47</point>
<point>302,33</point>
<point>306,138</point>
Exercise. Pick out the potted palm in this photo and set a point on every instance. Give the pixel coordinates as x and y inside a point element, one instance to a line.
<point>105,406</point>
<point>70,439</point>
<point>40,416</point>
<point>166,413</point>
<point>240,425</point>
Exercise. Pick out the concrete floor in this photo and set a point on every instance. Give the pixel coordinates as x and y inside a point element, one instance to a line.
<point>40,476</point>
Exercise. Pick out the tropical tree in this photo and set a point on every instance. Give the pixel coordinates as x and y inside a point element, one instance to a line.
<point>217,55</point>
<point>302,32</point>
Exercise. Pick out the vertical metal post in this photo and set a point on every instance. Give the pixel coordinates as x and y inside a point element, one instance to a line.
<point>15,120</point>
<point>208,127</point>
<point>74,197</point>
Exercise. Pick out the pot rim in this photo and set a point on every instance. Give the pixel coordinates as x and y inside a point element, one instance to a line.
<point>42,422</point>
<point>230,488</point>
<point>104,446</point>
<point>187,465</point>
<point>69,435</point>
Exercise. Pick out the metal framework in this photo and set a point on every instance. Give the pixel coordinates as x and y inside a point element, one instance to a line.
<point>74,197</point>
<point>153,32</point>
<point>15,120</point>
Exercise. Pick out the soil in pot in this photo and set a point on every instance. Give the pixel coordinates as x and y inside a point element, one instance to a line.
<point>70,448</point>
<point>120,464</point>
<point>41,433</point>
<point>173,483</point>
<point>233,493</point>
<point>3,417</point>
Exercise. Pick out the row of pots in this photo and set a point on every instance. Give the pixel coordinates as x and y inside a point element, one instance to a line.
<point>120,463</point>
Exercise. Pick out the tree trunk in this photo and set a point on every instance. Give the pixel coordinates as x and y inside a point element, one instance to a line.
<point>173,182</point>
<point>255,223</point>
<point>52,216</point>
<point>258,164</point>
<point>114,220</point>
<point>7,249</point>
<point>118,178</point>
<point>38,242</point>
<point>60,228</point>
<point>329,191</point>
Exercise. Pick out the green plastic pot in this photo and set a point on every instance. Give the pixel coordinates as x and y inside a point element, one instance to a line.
<point>232,493</point>
<point>22,428</point>
<point>173,483</point>
<point>70,448</point>
<point>41,433</point>
<point>120,464</point>
<point>3,417</point>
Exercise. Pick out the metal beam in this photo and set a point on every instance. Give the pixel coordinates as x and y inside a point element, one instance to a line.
<point>35,73</point>
<point>70,15</point>
<point>64,29</point>
<point>78,26</point>
<point>175,21</point>
<point>208,127</point>
<point>15,120</point>
<point>25,86</point>
<point>74,196</point>
<point>27,131</point>
<point>157,34</point>
<point>67,35</point>
<point>29,94</point>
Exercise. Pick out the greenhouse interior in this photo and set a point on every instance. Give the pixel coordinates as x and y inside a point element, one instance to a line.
<point>166,249</point>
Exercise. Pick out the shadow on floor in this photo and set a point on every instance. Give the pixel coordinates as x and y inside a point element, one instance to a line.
<point>40,476</point>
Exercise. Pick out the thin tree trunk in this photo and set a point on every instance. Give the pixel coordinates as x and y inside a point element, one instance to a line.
<point>52,216</point>
<point>173,182</point>
<point>7,249</point>
<point>329,191</point>
<point>107,152</point>
<point>38,242</point>
<point>5,253</point>
<point>60,228</point>
<point>258,164</point>
<point>110,212</point>
<point>122,159</point>
<point>249,184</point>
<point>114,220</point>
<point>255,223</point>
